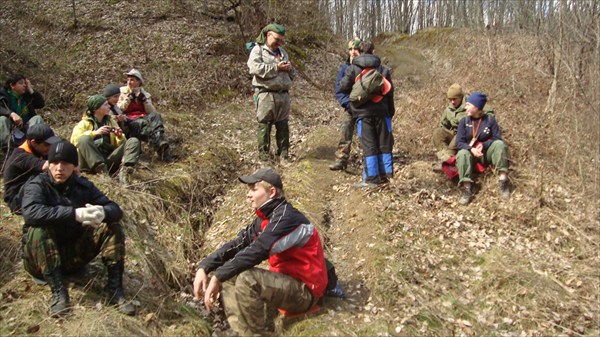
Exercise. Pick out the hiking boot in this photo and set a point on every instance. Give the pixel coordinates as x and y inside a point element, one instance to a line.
<point>285,162</point>
<point>38,281</point>
<point>437,167</point>
<point>504,189</point>
<point>466,196</point>
<point>101,169</point>
<point>363,184</point>
<point>164,153</point>
<point>125,173</point>
<point>59,303</point>
<point>336,291</point>
<point>338,165</point>
<point>114,288</point>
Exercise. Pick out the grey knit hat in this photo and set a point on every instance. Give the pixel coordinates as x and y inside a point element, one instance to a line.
<point>111,90</point>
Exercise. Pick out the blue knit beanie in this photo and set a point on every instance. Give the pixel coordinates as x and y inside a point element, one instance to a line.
<point>478,99</point>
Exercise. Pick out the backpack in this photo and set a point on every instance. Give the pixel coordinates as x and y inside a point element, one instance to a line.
<point>370,84</point>
<point>249,46</point>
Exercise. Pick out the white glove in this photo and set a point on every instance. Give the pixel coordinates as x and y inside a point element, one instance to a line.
<point>84,214</point>
<point>98,211</point>
<point>90,215</point>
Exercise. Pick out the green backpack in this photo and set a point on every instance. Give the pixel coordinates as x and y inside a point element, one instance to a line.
<point>370,84</point>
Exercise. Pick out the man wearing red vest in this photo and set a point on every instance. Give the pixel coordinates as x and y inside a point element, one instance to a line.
<point>26,161</point>
<point>297,275</point>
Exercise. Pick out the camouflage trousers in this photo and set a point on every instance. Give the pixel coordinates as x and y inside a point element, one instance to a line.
<point>91,154</point>
<point>42,253</point>
<point>149,128</point>
<point>347,131</point>
<point>444,142</point>
<point>247,297</point>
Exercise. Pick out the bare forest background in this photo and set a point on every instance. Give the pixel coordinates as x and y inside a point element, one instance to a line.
<point>412,261</point>
<point>567,30</point>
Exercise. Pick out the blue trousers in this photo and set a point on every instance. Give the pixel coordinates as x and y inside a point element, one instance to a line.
<point>377,141</point>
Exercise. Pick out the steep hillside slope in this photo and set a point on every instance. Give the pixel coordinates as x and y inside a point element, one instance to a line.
<point>413,262</point>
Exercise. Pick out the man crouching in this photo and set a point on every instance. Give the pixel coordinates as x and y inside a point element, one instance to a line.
<point>68,222</point>
<point>297,275</point>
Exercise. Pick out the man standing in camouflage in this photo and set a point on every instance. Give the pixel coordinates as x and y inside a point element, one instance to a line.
<point>347,128</point>
<point>272,72</point>
<point>68,222</point>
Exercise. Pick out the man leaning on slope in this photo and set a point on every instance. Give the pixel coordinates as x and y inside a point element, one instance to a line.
<point>18,102</point>
<point>68,222</point>
<point>272,72</point>
<point>102,146</point>
<point>297,275</point>
<point>143,121</point>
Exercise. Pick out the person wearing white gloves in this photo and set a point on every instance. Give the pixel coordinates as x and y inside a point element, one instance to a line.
<point>68,222</point>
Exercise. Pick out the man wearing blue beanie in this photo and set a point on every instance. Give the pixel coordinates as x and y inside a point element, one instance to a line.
<point>479,139</point>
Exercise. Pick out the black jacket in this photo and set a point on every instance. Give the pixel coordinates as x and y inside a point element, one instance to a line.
<point>34,101</point>
<point>253,244</point>
<point>46,204</point>
<point>21,166</point>
<point>384,108</point>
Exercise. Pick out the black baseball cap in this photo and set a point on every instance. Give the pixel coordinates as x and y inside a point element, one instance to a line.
<point>264,174</point>
<point>42,133</point>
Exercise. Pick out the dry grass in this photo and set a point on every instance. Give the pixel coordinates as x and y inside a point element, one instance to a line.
<point>412,261</point>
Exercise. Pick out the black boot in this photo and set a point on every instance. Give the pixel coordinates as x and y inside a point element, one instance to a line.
<point>59,304</point>
<point>165,153</point>
<point>114,289</point>
<point>162,146</point>
<point>338,165</point>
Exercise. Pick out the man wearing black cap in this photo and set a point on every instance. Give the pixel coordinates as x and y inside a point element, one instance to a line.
<point>297,275</point>
<point>68,222</point>
<point>26,161</point>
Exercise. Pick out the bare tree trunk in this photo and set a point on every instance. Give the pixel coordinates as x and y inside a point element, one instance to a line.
<point>75,22</point>
<point>551,101</point>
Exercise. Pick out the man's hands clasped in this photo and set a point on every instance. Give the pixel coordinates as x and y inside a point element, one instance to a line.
<point>90,215</point>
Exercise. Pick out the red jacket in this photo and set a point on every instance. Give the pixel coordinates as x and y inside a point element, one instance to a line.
<point>284,236</point>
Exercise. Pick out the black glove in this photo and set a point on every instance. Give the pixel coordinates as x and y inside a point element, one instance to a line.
<point>142,97</point>
<point>131,96</point>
